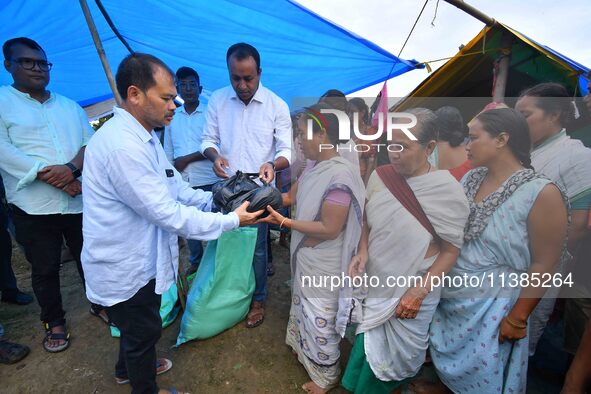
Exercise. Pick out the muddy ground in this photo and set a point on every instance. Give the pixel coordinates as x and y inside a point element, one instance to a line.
<point>239,360</point>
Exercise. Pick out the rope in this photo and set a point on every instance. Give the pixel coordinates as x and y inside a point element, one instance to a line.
<point>462,55</point>
<point>413,27</point>
<point>435,16</point>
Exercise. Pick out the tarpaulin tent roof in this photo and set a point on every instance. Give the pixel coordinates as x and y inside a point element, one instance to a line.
<point>302,54</point>
<point>470,72</point>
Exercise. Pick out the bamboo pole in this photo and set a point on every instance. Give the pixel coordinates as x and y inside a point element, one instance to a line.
<point>503,73</point>
<point>467,8</point>
<point>100,50</point>
<point>506,42</point>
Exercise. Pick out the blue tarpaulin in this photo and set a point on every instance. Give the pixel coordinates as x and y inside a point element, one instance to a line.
<point>302,54</point>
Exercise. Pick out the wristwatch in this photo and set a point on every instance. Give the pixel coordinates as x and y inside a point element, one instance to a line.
<point>75,171</point>
<point>272,164</point>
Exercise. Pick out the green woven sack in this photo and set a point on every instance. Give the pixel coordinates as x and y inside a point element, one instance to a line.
<point>221,292</point>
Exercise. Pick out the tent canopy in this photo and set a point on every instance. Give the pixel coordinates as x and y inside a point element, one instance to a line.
<point>470,72</point>
<point>468,76</point>
<point>302,54</point>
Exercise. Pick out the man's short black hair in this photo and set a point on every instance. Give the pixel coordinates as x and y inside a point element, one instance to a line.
<point>184,72</point>
<point>138,70</point>
<point>242,51</point>
<point>7,47</point>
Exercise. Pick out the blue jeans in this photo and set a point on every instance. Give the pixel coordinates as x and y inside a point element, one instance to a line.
<point>259,263</point>
<point>195,245</point>
<point>195,251</point>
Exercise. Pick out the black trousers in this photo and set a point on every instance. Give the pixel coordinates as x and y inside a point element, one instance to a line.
<point>42,237</point>
<point>140,324</point>
<point>7,278</point>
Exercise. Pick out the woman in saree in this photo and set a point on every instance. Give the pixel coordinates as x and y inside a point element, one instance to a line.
<point>516,229</point>
<point>326,228</point>
<point>548,109</point>
<point>415,218</point>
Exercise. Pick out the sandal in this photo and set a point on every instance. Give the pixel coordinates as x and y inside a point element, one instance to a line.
<point>256,315</point>
<point>162,365</point>
<point>55,336</point>
<point>104,318</point>
<point>11,352</point>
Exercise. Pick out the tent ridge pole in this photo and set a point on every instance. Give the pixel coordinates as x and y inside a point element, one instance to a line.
<point>467,8</point>
<point>100,50</point>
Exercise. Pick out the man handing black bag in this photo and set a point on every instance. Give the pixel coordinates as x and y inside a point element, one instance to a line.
<point>232,192</point>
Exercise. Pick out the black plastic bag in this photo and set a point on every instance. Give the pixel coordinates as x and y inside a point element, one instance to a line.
<point>231,193</point>
<point>228,191</point>
<point>262,197</point>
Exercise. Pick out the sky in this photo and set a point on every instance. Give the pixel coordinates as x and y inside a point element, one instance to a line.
<point>562,25</point>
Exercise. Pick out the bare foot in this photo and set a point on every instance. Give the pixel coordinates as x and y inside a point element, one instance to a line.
<point>313,388</point>
<point>427,387</point>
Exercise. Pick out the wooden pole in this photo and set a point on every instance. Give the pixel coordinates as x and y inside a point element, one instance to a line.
<point>506,42</point>
<point>467,8</point>
<point>99,48</point>
<point>503,72</point>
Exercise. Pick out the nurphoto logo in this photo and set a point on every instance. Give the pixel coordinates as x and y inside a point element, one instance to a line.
<point>394,121</point>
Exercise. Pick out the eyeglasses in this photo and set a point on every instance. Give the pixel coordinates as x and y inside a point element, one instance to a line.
<point>185,85</point>
<point>29,64</point>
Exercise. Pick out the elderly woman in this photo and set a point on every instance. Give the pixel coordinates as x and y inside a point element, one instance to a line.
<point>516,229</point>
<point>325,231</point>
<point>414,229</point>
<point>548,109</point>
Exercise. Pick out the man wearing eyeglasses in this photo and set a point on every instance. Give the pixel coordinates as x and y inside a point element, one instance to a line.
<point>42,140</point>
<point>182,145</point>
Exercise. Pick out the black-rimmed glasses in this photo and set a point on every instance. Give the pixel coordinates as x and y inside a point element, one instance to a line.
<point>28,64</point>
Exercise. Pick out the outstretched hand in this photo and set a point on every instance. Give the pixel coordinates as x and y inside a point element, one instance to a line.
<point>273,218</point>
<point>247,218</point>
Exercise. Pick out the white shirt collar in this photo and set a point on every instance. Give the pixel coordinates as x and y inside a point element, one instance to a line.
<point>198,110</point>
<point>28,96</point>
<point>138,129</point>
<point>259,95</point>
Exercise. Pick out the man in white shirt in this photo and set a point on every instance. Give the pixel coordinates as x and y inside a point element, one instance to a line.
<point>182,145</point>
<point>135,206</point>
<point>42,139</point>
<point>248,129</point>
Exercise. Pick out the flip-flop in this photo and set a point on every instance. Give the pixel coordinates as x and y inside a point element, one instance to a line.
<point>162,365</point>
<point>56,336</point>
